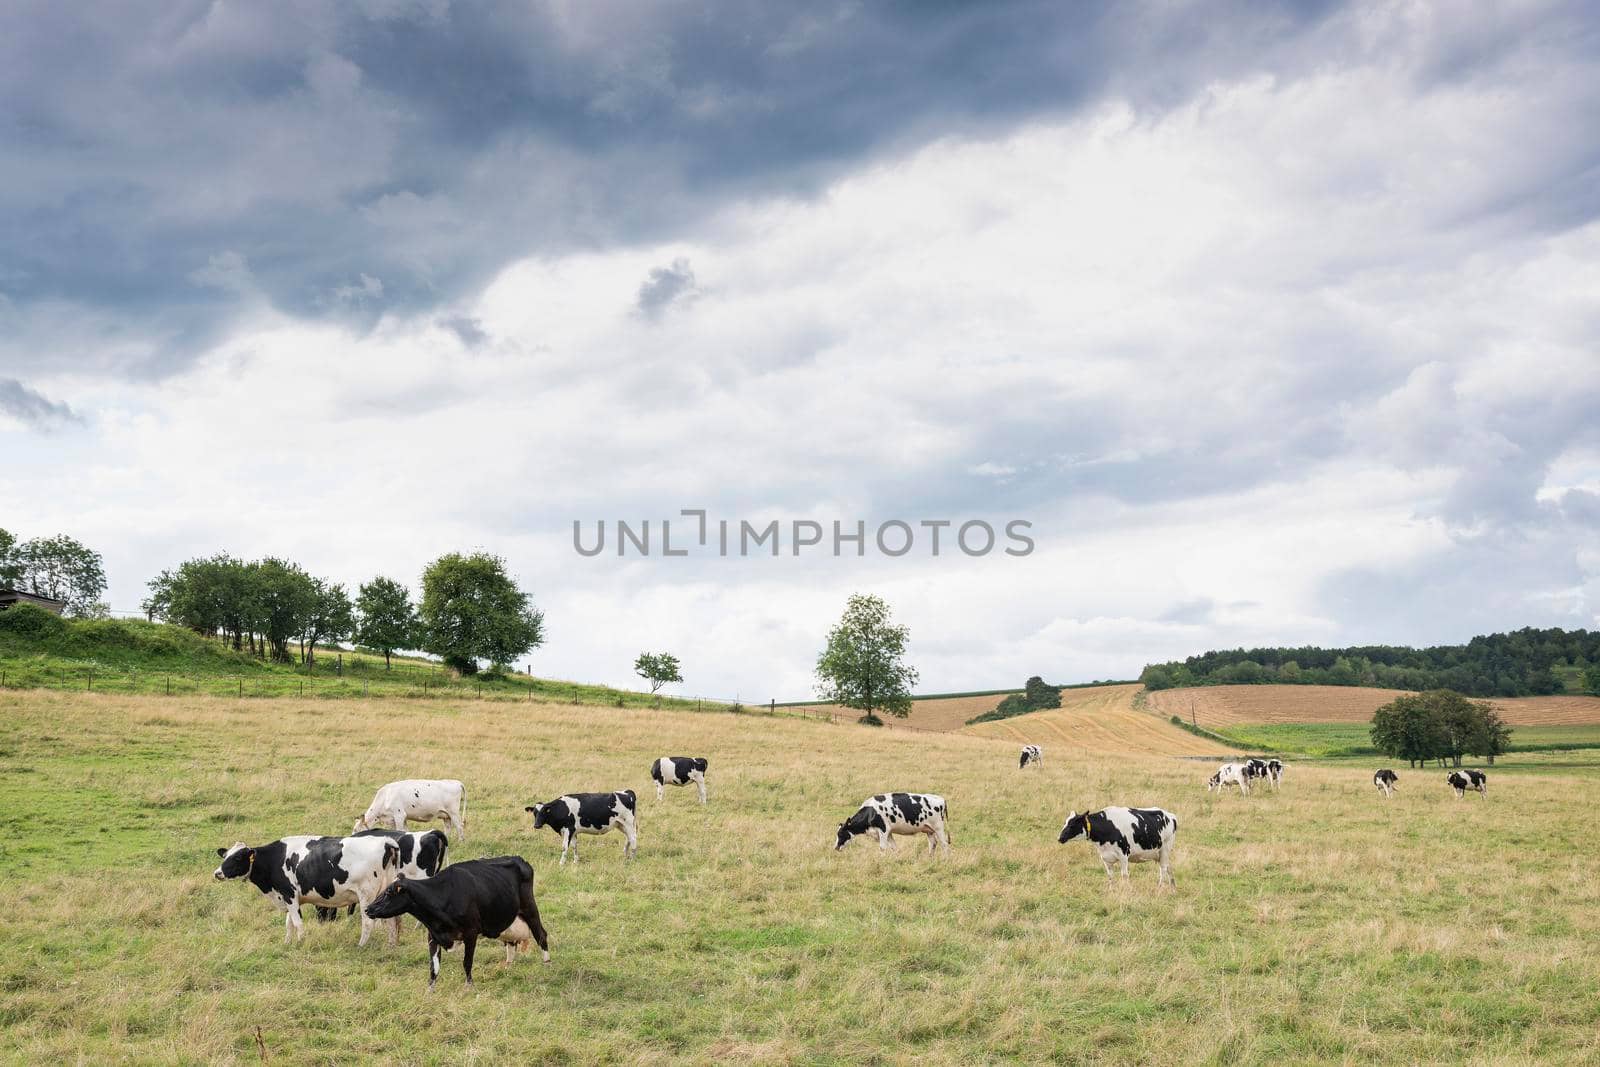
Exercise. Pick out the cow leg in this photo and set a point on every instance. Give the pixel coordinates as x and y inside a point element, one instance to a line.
<point>1124,867</point>
<point>661,791</point>
<point>290,914</point>
<point>700,782</point>
<point>1165,871</point>
<point>366,928</point>
<point>886,841</point>
<point>434,950</point>
<point>511,953</point>
<point>566,843</point>
<point>469,946</point>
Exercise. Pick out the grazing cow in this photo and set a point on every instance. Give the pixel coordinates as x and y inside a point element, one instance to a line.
<point>1256,770</point>
<point>679,770</point>
<point>1031,754</point>
<point>418,800</point>
<point>421,856</point>
<point>1385,781</point>
<point>1461,781</point>
<point>466,901</point>
<point>1230,774</point>
<point>888,814</point>
<point>325,871</point>
<point>1124,834</point>
<point>590,813</point>
<point>1275,772</point>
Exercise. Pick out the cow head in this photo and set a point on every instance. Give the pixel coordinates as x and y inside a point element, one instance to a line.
<point>537,810</point>
<point>237,860</point>
<point>1214,781</point>
<point>1076,826</point>
<point>393,901</point>
<point>700,764</point>
<point>852,828</point>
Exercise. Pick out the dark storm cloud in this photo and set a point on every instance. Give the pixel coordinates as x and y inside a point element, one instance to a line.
<point>33,408</point>
<point>339,161</point>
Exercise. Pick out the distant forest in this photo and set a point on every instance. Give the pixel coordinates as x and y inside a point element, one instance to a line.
<point>1527,662</point>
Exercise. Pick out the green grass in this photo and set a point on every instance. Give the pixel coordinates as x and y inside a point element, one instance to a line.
<point>1318,924</point>
<point>134,656</point>
<point>1340,739</point>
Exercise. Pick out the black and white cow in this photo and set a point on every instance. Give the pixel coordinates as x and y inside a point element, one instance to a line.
<point>1385,781</point>
<point>325,871</point>
<point>679,770</point>
<point>1124,834</point>
<point>421,855</point>
<point>1230,774</point>
<point>1255,770</point>
<point>466,901</point>
<point>1461,781</point>
<point>590,813</point>
<point>1031,754</point>
<point>417,800</point>
<point>887,814</point>
<point>1275,772</point>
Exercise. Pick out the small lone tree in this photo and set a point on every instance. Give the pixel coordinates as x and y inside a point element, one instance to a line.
<point>472,610</point>
<point>657,668</point>
<point>388,621</point>
<point>862,667</point>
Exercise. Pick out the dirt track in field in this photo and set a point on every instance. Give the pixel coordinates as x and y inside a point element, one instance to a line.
<point>945,714</point>
<point>1230,705</point>
<point>1099,720</point>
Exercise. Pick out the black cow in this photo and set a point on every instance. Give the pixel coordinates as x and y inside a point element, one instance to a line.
<point>421,855</point>
<point>589,813</point>
<point>679,770</point>
<point>1385,781</point>
<point>466,901</point>
<point>1461,781</point>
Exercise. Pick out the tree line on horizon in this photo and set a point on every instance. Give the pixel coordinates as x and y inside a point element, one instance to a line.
<point>1513,664</point>
<point>470,610</point>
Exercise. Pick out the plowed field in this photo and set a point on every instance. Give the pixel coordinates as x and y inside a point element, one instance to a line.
<point>1231,705</point>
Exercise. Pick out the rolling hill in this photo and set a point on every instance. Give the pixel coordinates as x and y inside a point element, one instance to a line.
<point>1232,705</point>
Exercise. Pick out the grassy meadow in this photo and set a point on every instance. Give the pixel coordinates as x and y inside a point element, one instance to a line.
<point>1319,924</point>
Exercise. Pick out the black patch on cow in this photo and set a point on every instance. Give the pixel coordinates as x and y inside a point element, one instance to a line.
<point>320,869</point>
<point>1147,827</point>
<point>655,773</point>
<point>595,809</point>
<point>908,807</point>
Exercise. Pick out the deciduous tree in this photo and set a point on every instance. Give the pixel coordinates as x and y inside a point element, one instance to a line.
<point>863,666</point>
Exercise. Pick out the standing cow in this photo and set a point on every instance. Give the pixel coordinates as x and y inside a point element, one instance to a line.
<point>418,800</point>
<point>1275,773</point>
<point>887,814</point>
<point>1031,754</point>
<point>590,813</point>
<point>1385,781</point>
<point>1461,781</point>
<point>1124,834</point>
<point>1230,774</point>
<point>326,871</point>
<point>466,901</point>
<point>679,770</point>
<point>421,855</point>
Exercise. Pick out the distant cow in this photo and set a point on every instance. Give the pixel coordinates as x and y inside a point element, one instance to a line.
<point>418,800</point>
<point>1230,774</point>
<point>590,813</point>
<point>325,871</point>
<point>888,814</point>
<point>1385,781</point>
<point>1124,834</point>
<point>679,770</point>
<point>421,856</point>
<point>1256,770</point>
<point>466,901</point>
<point>1031,754</point>
<point>1461,781</point>
<point>1275,772</point>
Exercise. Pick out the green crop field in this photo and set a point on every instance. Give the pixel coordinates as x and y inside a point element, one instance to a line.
<point>1318,924</point>
<point>1336,739</point>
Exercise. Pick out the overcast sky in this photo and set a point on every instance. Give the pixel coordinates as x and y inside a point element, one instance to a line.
<point>1279,322</point>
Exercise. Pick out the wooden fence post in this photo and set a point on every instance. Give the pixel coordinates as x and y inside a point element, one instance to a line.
<point>241,686</point>
<point>91,679</point>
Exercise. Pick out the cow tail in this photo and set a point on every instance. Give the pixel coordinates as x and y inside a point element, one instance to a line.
<point>944,814</point>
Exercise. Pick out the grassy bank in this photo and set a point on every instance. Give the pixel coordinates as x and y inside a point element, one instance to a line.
<point>134,656</point>
<point>1343,739</point>
<point>1316,924</point>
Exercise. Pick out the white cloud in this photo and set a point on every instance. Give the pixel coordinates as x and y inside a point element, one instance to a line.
<point>1274,352</point>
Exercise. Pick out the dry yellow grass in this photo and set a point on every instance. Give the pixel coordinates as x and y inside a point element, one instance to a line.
<point>1317,924</point>
<point>1232,705</point>
<point>1099,720</point>
<point>938,713</point>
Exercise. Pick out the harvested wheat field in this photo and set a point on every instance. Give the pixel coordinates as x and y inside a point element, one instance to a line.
<point>934,713</point>
<point>1100,720</point>
<point>1233,705</point>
